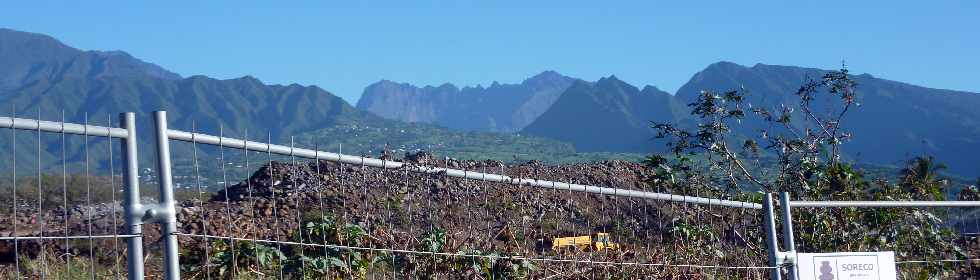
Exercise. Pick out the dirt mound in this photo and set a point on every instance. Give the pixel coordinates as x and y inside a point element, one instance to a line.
<point>402,209</point>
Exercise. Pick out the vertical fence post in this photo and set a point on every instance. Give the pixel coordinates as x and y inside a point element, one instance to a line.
<point>771,239</point>
<point>131,200</point>
<point>168,224</point>
<point>788,241</point>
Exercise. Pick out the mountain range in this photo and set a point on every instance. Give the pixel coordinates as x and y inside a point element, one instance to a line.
<point>40,76</point>
<point>893,122</point>
<point>43,77</point>
<point>497,108</point>
<point>41,72</point>
<point>548,116</point>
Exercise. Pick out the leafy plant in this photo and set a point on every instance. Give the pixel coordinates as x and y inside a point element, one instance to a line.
<point>247,260</point>
<point>799,152</point>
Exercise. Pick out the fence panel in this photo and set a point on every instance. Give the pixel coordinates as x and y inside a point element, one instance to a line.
<point>931,239</point>
<point>312,214</point>
<point>63,216</point>
<point>307,213</point>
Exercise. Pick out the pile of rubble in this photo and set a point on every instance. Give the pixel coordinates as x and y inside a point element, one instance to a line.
<point>397,206</point>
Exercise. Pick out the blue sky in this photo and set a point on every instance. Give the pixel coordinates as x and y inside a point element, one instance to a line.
<point>344,46</point>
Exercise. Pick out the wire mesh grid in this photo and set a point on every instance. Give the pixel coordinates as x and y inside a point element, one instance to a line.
<point>257,210</point>
<point>298,218</point>
<point>61,208</point>
<point>929,242</point>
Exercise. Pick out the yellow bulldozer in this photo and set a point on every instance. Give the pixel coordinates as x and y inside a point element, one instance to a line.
<point>599,241</point>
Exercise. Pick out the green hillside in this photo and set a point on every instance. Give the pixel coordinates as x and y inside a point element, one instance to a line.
<point>43,77</point>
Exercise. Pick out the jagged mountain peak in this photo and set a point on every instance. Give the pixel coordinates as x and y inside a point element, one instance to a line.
<point>249,78</point>
<point>732,67</point>
<point>548,79</point>
<point>545,76</point>
<point>385,83</point>
<point>613,83</point>
<point>609,115</point>
<point>446,87</point>
<point>497,107</point>
<point>611,79</point>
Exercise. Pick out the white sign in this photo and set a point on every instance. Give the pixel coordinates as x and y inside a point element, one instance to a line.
<point>846,266</point>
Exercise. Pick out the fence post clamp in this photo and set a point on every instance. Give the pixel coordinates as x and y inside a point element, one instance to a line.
<point>157,213</point>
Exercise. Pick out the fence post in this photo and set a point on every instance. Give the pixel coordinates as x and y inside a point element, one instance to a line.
<point>788,241</point>
<point>131,199</point>
<point>168,224</point>
<point>771,239</point>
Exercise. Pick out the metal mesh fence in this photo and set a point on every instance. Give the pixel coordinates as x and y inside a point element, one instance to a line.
<point>931,240</point>
<point>374,218</point>
<point>60,215</point>
<point>245,208</point>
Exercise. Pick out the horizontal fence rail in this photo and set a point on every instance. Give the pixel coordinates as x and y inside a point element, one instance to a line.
<point>6,238</point>
<point>59,127</point>
<point>489,177</point>
<point>883,204</point>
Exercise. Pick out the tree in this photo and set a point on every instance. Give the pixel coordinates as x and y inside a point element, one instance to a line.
<point>799,139</point>
<point>799,152</point>
<point>921,177</point>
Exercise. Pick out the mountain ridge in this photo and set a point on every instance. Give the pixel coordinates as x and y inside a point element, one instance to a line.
<point>890,110</point>
<point>894,122</point>
<point>49,79</point>
<point>910,120</point>
<point>619,116</point>
<point>499,107</point>
<point>33,57</point>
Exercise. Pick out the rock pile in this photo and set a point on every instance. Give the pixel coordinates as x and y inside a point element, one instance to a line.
<point>397,207</point>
